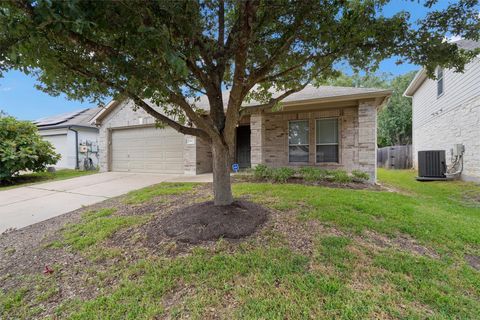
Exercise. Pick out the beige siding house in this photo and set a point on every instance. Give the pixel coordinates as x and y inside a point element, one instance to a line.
<point>446,111</point>
<point>330,127</point>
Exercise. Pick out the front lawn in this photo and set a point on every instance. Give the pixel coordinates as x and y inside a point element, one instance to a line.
<point>411,251</point>
<point>37,177</point>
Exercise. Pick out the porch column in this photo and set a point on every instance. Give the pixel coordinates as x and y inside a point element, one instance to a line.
<point>257,138</point>
<point>367,138</point>
<point>190,155</point>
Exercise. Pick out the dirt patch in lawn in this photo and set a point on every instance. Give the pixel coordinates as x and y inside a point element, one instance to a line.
<point>401,241</point>
<point>473,261</point>
<point>205,221</point>
<point>471,198</point>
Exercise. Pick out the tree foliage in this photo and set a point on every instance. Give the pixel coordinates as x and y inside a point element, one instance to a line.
<point>395,119</point>
<point>169,52</point>
<point>22,148</point>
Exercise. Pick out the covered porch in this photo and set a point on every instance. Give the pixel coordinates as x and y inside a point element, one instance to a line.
<point>332,136</point>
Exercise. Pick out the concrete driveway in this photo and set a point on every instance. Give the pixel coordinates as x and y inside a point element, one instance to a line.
<point>24,206</point>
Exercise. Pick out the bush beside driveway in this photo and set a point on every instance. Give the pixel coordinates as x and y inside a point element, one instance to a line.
<point>409,251</point>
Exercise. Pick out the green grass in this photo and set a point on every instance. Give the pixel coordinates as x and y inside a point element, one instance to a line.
<point>336,276</point>
<point>163,189</point>
<point>27,301</point>
<point>434,213</point>
<point>273,283</point>
<point>95,227</point>
<point>38,177</point>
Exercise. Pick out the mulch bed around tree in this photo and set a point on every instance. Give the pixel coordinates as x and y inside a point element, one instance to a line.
<point>205,221</point>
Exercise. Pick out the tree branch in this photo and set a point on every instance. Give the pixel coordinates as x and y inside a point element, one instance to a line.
<point>221,23</point>
<point>166,120</point>
<point>238,91</point>
<point>138,101</point>
<point>200,122</point>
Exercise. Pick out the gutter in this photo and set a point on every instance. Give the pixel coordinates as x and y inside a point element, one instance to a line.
<point>65,126</point>
<point>416,83</point>
<point>76,148</point>
<point>357,96</point>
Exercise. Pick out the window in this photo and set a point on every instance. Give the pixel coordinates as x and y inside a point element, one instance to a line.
<point>439,81</point>
<point>298,141</point>
<point>327,140</point>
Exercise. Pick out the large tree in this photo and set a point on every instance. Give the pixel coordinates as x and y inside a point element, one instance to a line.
<point>170,52</point>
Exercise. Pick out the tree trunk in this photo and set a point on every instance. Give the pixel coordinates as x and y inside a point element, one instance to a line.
<point>222,189</point>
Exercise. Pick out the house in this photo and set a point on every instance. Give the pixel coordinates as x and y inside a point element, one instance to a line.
<point>446,111</point>
<point>73,137</point>
<point>328,127</point>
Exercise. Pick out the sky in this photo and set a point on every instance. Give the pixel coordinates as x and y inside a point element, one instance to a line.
<point>19,97</point>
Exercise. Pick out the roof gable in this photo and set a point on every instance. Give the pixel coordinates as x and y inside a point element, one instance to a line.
<point>421,75</point>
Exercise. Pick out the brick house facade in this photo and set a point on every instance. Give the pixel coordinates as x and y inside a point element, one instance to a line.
<point>336,127</point>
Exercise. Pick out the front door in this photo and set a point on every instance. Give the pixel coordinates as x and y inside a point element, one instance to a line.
<point>243,146</point>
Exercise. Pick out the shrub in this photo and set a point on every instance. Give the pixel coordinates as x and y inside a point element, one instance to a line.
<point>360,175</point>
<point>22,148</point>
<point>311,174</point>
<point>262,172</point>
<point>339,176</point>
<point>282,174</point>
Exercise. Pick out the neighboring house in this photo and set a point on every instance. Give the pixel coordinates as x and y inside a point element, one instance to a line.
<point>73,137</point>
<point>331,127</point>
<point>446,111</point>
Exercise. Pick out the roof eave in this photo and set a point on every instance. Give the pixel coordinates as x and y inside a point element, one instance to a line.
<point>415,83</point>
<point>385,94</point>
<point>66,126</point>
<point>97,119</point>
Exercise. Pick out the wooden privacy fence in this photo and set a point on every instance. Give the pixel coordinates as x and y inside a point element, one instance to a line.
<point>395,157</point>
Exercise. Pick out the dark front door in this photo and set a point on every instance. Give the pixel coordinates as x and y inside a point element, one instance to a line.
<point>243,146</point>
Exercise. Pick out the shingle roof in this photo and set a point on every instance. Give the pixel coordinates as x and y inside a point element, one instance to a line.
<point>467,44</point>
<point>310,92</point>
<point>78,118</point>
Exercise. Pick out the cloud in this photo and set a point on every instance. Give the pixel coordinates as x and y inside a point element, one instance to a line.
<point>454,38</point>
<point>6,89</point>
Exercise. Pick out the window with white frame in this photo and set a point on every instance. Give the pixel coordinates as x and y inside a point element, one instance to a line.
<point>298,141</point>
<point>439,81</point>
<point>326,133</point>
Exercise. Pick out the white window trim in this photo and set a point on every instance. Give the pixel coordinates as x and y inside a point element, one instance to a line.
<point>298,145</point>
<point>328,144</point>
<point>438,80</point>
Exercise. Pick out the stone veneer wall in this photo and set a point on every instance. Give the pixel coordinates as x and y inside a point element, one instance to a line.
<point>196,154</point>
<point>269,138</point>
<point>204,157</point>
<point>458,125</point>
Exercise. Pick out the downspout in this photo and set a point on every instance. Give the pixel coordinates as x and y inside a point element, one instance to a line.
<point>76,148</point>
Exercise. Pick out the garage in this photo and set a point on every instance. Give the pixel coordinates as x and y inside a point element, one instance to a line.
<point>147,149</point>
<point>59,142</point>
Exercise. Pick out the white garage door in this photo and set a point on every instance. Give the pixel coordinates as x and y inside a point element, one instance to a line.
<point>60,144</point>
<point>147,150</point>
